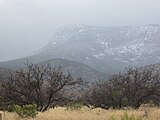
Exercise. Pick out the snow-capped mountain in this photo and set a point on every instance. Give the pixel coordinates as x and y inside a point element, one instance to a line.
<point>106,49</point>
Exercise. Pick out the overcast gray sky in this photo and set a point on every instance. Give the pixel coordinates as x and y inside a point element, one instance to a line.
<point>28,25</point>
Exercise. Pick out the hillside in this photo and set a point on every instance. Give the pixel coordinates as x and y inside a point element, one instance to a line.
<point>106,49</point>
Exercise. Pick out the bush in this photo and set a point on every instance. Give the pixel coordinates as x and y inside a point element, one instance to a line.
<point>127,117</point>
<point>26,111</point>
<point>74,106</point>
<point>10,108</point>
<point>113,117</point>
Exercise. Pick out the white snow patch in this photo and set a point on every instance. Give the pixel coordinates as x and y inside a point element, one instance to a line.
<point>53,43</point>
<point>99,56</point>
<point>82,30</point>
<point>106,44</point>
<point>121,60</point>
<point>87,58</point>
<point>93,49</point>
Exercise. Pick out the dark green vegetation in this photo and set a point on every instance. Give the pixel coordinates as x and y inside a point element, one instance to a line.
<point>125,116</point>
<point>26,111</point>
<point>74,106</point>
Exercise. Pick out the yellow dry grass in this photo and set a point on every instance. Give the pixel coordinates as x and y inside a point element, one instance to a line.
<point>87,114</point>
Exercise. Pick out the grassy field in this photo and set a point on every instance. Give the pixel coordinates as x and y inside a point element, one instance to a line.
<point>87,114</point>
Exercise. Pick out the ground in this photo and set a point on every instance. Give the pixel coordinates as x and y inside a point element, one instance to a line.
<point>89,114</point>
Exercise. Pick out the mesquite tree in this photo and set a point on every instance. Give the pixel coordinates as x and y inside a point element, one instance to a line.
<point>130,89</point>
<point>42,85</point>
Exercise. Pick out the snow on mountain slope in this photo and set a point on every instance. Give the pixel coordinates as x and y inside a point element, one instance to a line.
<point>106,49</point>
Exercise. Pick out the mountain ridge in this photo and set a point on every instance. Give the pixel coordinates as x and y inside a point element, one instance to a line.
<point>123,45</point>
<point>106,49</point>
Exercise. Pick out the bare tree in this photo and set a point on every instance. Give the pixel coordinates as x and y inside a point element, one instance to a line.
<point>133,88</point>
<point>44,86</point>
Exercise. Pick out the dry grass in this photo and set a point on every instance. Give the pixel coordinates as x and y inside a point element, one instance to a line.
<point>87,114</point>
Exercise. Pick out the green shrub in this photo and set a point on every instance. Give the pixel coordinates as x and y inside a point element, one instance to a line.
<point>127,117</point>
<point>10,108</point>
<point>74,106</point>
<point>26,111</point>
<point>113,117</point>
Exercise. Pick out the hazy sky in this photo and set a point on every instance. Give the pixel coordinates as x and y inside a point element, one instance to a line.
<point>28,25</point>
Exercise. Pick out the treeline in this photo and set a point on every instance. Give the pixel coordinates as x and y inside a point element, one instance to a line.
<point>130,89</point>
<point>47,87</point>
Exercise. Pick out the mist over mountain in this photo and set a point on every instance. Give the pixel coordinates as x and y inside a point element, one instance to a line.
<point>105,49</point>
